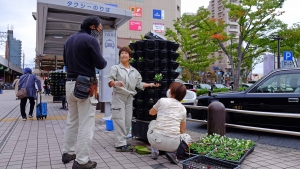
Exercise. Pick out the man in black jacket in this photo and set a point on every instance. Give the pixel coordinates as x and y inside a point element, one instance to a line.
<point>81,56</point>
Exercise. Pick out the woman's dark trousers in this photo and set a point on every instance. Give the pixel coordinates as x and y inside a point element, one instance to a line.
<point>23,106</point>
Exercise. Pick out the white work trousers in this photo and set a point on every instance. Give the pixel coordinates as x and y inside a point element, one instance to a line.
<point>121,112</point>
<point>161,142</point>
<point>80,125</point>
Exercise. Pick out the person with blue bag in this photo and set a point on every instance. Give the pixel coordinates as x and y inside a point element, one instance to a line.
<point>27,81</point>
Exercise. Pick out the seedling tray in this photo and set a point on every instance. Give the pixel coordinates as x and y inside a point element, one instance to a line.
<point>235,162</point>
<point>200,162</point>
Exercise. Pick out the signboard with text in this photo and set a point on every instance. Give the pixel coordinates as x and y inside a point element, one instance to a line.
<point>158,27</point>
<point>158,14</point>
<point>135,25</point>
<point>287,64</point>
<point>136,11</point>
<point>113,5</point>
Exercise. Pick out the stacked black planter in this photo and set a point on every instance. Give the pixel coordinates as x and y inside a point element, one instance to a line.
<point>153,56</point>
<point>58,85</point>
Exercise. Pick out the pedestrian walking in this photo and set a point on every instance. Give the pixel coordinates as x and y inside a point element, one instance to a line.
<point>164,132</point>
<point>28,81</point>
<point>1,86</point>
<point>124,79</point>
<point>81,55</point>
<point>16,84</point>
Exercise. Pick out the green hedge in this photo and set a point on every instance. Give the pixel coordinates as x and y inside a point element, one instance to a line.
<point>205,91</point>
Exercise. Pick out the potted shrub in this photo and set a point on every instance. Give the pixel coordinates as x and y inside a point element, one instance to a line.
<point>158,77</point>
<point>140,63</point>
<point>132,62</point>
<point>139,103</point>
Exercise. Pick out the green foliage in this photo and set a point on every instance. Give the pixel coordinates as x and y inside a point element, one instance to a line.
<point>193,34</point>
<point>131,60</point>
<point>205,91</point>
<point>158,77</point>
<point>141,59</point>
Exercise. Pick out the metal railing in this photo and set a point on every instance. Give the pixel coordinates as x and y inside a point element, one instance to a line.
<point>273,114</point>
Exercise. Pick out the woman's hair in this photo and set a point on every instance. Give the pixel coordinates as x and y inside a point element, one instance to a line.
<point>89,21</point>
<point>125,49</point>
<point>178,90</point>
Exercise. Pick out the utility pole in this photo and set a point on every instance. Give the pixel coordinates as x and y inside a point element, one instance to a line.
<point>23,59</point>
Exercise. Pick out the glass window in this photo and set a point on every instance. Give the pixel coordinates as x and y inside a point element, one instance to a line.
<point>283,83</point>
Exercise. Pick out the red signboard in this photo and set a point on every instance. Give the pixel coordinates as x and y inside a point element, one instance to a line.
<point>135,25</point>
<point>136,11</point>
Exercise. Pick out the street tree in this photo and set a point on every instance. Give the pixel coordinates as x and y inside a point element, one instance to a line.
<point>256,20</point>
<point>193,33</point>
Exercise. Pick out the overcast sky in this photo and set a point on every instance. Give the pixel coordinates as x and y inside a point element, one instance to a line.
<point>18,13</point>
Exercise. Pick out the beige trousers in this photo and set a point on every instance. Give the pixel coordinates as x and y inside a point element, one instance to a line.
<point>161,142</point>
<point>80,125</point>
<point>121,112</point>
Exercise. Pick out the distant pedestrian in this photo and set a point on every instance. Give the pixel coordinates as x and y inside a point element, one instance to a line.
<point>28,81</point>
<point>16,84</point>
<point>1,86</point>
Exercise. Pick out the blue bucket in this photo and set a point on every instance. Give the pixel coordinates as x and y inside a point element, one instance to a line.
<point>109,125</point>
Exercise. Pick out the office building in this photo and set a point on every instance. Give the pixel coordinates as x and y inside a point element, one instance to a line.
<point>148,15</point>
<point>218,11</point>
<point>13,51</point>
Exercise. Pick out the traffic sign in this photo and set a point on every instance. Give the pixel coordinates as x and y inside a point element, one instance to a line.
<point>288,55</point>
<point>287,64</point>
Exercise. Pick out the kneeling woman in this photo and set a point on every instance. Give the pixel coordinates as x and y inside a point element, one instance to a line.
<point>164,132</point>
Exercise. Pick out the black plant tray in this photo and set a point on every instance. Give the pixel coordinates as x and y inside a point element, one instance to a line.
<point>200,162</point>
<point>235,162</point>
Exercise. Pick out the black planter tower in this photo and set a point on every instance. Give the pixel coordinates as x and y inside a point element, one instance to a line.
<point>153,56</point>
<point>58,85</point>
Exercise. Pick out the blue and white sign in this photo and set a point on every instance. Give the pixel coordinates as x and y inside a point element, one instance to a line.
<point>90,6</point>
<point>113,5</point>
<point>158,14</point>
<point>219,73</point>
<point>287,64</point>
<point>287,55</point>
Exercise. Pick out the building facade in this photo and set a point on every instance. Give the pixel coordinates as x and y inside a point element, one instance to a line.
<point>13,51</point>
<point>218,11</point>
<point>148,15</point>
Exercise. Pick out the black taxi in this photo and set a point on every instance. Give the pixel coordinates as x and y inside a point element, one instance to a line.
<point>277,92</point>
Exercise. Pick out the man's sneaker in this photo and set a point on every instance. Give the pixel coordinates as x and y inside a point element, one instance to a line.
<point>24,119</point>
<point>172,158</point>
<point>88,165</point>
<point>62,108</point>
<point>154,155</point>
<point>126,148</point>
<point>30,116</point>
<point>67,158</point>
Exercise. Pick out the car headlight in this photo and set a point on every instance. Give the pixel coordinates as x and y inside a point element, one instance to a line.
<point>196,102</point>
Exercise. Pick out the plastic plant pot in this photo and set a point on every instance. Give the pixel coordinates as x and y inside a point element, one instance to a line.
<point>175,56</point>
<point>150,74</point>
<point>149,64</point>
<point>139,54</point>
<point>150,93</point>
<point>140,114</point>
<point>150,104</point>
<point>170,45</point>
<point>173,75</point>
<point>139,103</point>
<point>175,66</point>
<point>162,44</point>
<point>163,54</point>
<point>175,47</point>
<point>142,74</point>
<point>133,46</point>
<point>140,95</point>
<point>165,75</point>
<point>150,44</point>
<point>163,65</point>
<point>135,56</point>
<point>164,85</point>
<point>170,55</point>
<point>150,54</point>
<point>133,64</point>
<point>163,93</point>
<point>140,45</point>
<point>171,65</point>
<point>140,65</point>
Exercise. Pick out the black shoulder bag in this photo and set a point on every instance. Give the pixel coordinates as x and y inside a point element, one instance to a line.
<point>82,87</point>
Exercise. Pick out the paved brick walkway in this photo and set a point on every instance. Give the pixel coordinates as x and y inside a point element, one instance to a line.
<point>38,144</point>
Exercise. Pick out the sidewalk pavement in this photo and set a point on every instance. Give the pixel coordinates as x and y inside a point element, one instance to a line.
<point>38,144</point>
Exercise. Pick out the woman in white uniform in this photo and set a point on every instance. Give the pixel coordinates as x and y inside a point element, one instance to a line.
<point>124,79</point>
<point>164,132</point>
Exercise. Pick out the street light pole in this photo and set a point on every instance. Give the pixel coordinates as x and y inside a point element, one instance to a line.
<point>278,38</point>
